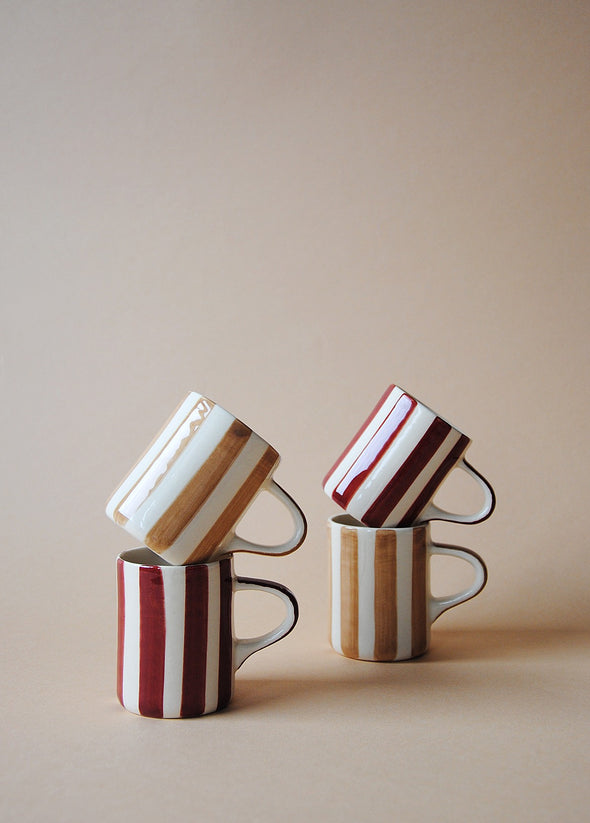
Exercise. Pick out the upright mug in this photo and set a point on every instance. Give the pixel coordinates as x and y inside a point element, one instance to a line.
<point>392,468</point>
<point>382,606</point>
<point>177,651</point>
<point>185,496</point>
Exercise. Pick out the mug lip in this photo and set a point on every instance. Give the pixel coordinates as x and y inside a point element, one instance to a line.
<point>347,521</point>
<point>233,416</point>
<point>431,410</point>
<point>154,560</point>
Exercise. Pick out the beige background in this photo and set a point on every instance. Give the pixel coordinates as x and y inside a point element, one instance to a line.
<point>288,206</point>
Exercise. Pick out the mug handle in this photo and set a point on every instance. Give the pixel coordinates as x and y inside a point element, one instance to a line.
<point>245,647</point>
<point>434,512</point>
<point>438,605</point>
<point>239,544</point>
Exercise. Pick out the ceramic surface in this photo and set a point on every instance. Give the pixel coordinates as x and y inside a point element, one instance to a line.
<point>392,468</point>
<point>185,495</point>
<point>381,604</point>
<point>177,651</point>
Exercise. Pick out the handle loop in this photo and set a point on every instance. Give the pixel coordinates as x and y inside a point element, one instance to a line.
<point>438,605</point>
<point>434,512</point>
<point>244,647</point>
<point>297,538</point>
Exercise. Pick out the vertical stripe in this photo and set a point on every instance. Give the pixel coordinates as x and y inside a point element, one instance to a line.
<point>152,640</point>
<point>212,677</point>
<point>393,492</point>
<point>195,641</point>
<point>174,603</point>
<point>226,643</point>
<point>404,594</point>
<point>120,626</point>
<point>130,687</point>
<point>336,605</point>
<point>360,433</point>
<point>349,595</point>
<point>374,450</point>
<point>430,489</point>
<point>236,506</point>
<point>186,505</point>
<point>385,596</point>
<point>419,639</point>
<point>358,443</point>
<point>366,593</point>
<point>158,458</point>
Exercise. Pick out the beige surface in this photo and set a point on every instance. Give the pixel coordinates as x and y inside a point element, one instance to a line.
<point>288,206</point>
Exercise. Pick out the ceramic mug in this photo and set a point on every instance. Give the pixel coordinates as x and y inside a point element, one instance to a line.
<point>392,468</point>
<point>382,606</point>
<point>177,652</point>
<point>186,494</point>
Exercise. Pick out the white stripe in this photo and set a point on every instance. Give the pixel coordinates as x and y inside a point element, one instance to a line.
<point>346,464</point>
<point>180,473</point>
<point>213,644</point>
<point>210,512</point>
<point>366,593</point>
<point>174,604</point>
<point>404,593</point>
<point>398,452</point>
<point>336,638</point>
<point>152,452</point>
<point>415,490</point>
<point>131,641</point>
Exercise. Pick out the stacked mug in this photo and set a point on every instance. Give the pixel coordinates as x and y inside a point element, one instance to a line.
<point>382,606</point>
<point>183,499</point>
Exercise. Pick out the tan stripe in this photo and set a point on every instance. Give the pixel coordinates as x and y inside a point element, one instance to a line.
<point>196,492</point>
<point>419,628</point>
<point>385,596</point>
<point>207,406</point>
<point>236,507</point>
<point>349,593</point>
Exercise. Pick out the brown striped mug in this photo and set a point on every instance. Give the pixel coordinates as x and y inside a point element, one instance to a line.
<point>185,495</point>
<point>392,468</point>
<point>382,606</point>
<point>177,653</point>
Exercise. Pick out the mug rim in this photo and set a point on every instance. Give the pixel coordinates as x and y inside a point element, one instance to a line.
<point>347,521</point>
<point>431,410</point>
<point>159,561</point>
<point>231,414</point>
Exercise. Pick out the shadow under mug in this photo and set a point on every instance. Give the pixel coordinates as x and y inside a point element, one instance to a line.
<point>184,497</point>
<point>394,465</point>
<point>177,652</point>
<point>381,604</point>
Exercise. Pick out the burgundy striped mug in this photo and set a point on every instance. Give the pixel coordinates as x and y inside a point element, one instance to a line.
<point>177,653</point>
<point>382,606</point>
<point>185,495</point>
<point>392,468</point>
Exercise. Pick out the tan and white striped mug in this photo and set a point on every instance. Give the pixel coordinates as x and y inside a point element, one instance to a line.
<point>186,494</point>
<point>382,606</point>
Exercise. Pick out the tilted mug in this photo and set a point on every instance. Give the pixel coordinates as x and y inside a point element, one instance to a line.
<point>177,651</point>
<point>392,468</point>
<point>185,495</point>
<point>382,607</point>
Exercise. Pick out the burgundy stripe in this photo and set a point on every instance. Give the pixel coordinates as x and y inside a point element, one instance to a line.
<point>367,422</point>
<point>225,635</point>
<point>120,627</point>
<point>194,676</point>
<point>152,641</point>
<point>407,473</point>
<point>374,450</point>
<point>433,484</point>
